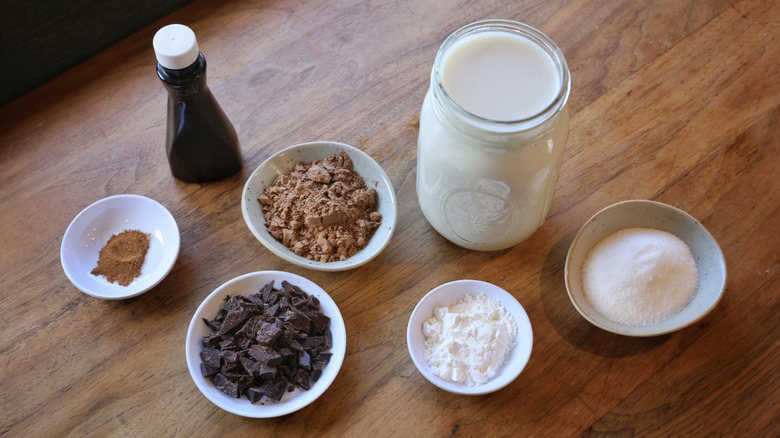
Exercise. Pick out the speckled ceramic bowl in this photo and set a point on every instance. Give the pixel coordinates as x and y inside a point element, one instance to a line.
<point>282,162</point>
<point>649,214</point>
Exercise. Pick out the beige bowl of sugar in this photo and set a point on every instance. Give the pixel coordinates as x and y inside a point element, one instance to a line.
<point>629,218</point>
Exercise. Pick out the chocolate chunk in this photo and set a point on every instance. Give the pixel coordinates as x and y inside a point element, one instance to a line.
<point>313,341</point>
<point>248,329</point>
<point>302,379</point>
<point>273,389</point>
<point>265,355</point>
<point>298,301</point>
<point>328,338</point>
<point>213,324</point>
<point>296,346</point>
<point>228,344</point>
<point>286,353</point>
<point>225,385</point>
<point>265,293</point>
<point>287,336</point>
<point>211,340</point>
<point>297,319</point>
<point>319,362</point>
<point>211,361</point>
<point>254,394</point>
<point>291,288</point>
<point>273,310</point>
<point>319,321</point>
<point>268,334</point>
<point>304,360</point>
<point>229,355</point>
<point>233,321</point>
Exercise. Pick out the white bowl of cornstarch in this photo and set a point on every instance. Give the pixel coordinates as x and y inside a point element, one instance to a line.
<point>469,337</point>
<point>644,268</point>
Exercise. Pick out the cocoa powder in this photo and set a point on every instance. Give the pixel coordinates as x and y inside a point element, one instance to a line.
<point>120,261</point>
<point>322,211</point>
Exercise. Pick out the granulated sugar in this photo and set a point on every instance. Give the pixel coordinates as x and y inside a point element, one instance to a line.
<point>639,276</point>
<point>470,340</point>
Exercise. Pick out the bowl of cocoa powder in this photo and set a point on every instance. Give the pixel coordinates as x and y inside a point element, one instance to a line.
<point>120,247</point>
<point>322,205</point>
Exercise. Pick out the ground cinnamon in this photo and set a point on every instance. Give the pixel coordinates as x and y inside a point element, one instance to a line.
<point>322,210</point>
<point>121,259</point>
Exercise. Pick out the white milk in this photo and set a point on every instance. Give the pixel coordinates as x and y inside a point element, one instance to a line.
<point>500,76</point>
<point>490,148</point>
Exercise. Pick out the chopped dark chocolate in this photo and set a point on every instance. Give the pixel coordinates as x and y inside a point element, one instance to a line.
<point>211,340</point>
<point>274,389</point>
<point>297,319</point>
<point>225,385</point>
<point>304,360</point>
<point>213,324</point>
<point>254,394</point>
<point>302,379</point>
<point>229,355</point>
<point>210,364</point>
<point>268,334</point>
<point>267,343</point>
<point>313,341</point>
<point>233,321</point>
<point>264,354</point>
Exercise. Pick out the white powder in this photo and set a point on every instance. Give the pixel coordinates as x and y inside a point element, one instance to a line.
<point>470,340</point>
<point>639,276</point>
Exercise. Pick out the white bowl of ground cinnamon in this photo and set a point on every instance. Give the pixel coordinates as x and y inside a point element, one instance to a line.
<point>120,247</point>
<point>322,205</point>
<point>644,268</point>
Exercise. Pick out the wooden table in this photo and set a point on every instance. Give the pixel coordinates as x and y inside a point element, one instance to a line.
<point>671,101</point>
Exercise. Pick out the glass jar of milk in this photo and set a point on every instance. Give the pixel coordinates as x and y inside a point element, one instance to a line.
<point>493,129</point>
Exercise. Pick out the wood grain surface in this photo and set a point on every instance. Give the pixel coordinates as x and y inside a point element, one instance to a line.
<point>672,101</point>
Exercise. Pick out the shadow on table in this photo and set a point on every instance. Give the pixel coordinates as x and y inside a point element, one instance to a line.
<point>570,325</point>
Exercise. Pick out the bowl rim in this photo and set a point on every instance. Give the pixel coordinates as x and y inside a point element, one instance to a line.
<point>361,257</point>
<point>300,398</point>
<point>450,292</point>
<point>646,330</point>
<point>173,245</point>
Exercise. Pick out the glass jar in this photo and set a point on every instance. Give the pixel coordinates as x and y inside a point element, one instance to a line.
<point>486,175</point>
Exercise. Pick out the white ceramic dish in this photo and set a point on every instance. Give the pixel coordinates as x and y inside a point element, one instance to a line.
<point>649,214</point>
<point>447,294</point>
<point>246,285</point>
<point>282,162</point>
<point>90,230</point>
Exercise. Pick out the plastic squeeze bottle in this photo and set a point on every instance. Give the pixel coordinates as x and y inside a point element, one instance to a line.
<point>201,143</point>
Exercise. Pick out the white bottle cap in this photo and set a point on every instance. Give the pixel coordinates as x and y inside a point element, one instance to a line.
<point>175,46</point>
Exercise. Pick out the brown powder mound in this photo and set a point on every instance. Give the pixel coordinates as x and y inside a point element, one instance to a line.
<point>120,261</point>
<point>322,211</point>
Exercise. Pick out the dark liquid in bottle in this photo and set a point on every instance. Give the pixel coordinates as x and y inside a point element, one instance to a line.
<point>201,143</point>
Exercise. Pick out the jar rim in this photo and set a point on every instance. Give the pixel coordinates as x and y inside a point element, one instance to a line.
<point>534,35</point>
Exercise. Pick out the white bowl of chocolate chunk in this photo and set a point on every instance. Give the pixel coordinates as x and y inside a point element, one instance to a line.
<point>322,205</point>
<point>265,344</point>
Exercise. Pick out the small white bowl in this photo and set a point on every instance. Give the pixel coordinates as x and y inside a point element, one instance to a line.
<point>90,230</point>
<point>447,294</point>
<point>282,162</point>
<point>649,214</point>
<point>245,285</point>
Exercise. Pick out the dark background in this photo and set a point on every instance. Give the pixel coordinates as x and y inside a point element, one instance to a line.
<point>41,38</point>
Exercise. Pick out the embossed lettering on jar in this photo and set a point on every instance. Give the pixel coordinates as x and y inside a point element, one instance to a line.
<point>493,130</point>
